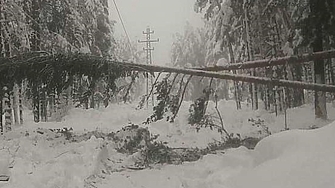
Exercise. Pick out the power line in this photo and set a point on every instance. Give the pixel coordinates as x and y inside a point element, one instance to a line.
<point>124,27</point>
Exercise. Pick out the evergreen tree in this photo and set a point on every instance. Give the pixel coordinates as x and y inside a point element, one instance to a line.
<point>318,30</point>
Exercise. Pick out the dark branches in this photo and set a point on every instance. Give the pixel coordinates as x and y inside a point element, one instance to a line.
<point>182,98</point>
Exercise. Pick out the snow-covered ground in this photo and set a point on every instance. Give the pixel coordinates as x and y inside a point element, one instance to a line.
<point>298,158</point>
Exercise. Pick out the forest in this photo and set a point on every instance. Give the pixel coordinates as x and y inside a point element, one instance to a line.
<point>81,107</point>
<point>262,31</point>
<point>61,53</point>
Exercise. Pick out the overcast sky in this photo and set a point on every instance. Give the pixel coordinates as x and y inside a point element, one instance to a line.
<point>165,17</point>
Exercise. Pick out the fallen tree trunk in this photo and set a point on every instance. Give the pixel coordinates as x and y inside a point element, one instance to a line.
<point>273,62</point>
<point>235,77</point>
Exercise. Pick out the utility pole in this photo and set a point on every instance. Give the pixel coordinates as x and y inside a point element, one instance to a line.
<point>149,49</point>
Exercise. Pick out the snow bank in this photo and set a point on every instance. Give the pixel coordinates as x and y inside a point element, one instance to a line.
<point>210,171</point>
<point>38,162</point>
<point>292,159</point>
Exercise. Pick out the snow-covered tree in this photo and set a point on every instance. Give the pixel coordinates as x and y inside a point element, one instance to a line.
<point>250,30</point>
<point>53,26</point>
<point>318,32</point>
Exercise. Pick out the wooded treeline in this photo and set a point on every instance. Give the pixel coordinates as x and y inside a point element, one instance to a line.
<point>58,71</point>
<point>244,30</point>
<point>29,28</point>
<point>56,54</point>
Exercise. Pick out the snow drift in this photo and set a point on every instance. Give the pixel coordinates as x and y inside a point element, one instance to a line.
<point>297,159</point>
<point>290,159</point>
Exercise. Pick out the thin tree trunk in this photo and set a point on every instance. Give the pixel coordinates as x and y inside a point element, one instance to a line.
<point>280,101</point>
<point>268,92</point>
<point>20,104</point>
<point>43,103</point>
<point>265,98</point>
<point>35,99</point>
<point>15,104</point>
<point>8,111</point>
<point>298,93</point>
<point>92,88</point>
<point>254,93</point>
<point>75,87</point>
<point>51,103</point>
<point>275,104</point>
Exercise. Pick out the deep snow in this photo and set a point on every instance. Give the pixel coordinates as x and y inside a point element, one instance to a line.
<point>294,158</point>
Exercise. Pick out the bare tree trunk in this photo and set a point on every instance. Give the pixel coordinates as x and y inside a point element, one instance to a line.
<point>20,104</point>
<point>92,88</point>
<point>75,86</point>
<point>51,104</point>
<point>43,104</point>
<point>280,101</point>
<point>254,93</point>
<point>298,93</point>
<point>15,104</point>
<point>8,111</point>
<point>35,99</point>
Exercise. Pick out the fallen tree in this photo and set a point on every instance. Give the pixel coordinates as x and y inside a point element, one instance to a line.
<point>50,68</point>
<point>235,77</point>
<point>273,62</point>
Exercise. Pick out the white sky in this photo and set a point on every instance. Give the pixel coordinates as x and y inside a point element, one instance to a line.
<point>165,17</point>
